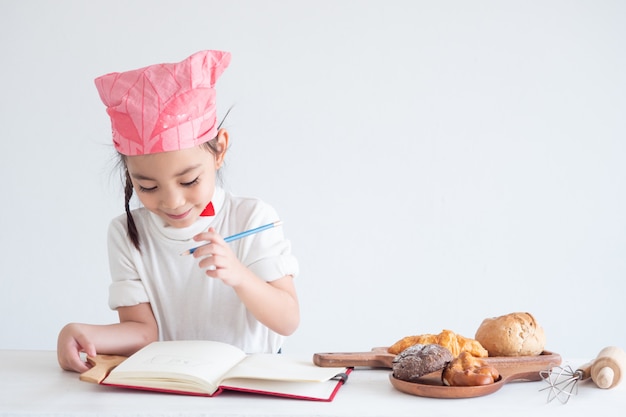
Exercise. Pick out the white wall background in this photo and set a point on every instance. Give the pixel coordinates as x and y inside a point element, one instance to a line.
<point>434,162</point>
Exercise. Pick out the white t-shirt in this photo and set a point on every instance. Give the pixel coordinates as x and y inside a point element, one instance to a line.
<point>186,303</point>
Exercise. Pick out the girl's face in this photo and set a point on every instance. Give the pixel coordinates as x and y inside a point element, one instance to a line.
<point>177,185</point>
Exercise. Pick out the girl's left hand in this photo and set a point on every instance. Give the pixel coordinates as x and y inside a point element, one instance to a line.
<point>218,259</point>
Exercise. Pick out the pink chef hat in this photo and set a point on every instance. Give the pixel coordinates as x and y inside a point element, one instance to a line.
<point>163,107</point>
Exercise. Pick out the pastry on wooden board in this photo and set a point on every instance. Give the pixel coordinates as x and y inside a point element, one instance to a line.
<point>455,343</point>
<point>466,371</point>
<point>419,360</point>
<point>514,334</point>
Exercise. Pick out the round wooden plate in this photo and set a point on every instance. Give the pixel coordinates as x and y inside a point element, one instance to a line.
<point>431,386</point>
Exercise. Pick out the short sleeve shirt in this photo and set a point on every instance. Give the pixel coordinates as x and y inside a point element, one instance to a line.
<point>186,303</point>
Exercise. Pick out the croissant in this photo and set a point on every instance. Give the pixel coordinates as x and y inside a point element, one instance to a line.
<point>455,343</point>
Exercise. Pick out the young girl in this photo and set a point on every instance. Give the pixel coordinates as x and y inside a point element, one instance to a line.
<point>164,128</point>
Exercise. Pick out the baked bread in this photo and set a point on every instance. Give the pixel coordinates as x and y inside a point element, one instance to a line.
<point>514,334</point>
<point>419,360</point>
<point>455,343</point>
<point>466,371</point>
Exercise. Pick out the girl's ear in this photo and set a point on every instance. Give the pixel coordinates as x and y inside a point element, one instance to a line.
<point>222,146</point>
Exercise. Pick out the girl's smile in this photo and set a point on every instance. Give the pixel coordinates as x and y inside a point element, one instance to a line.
<point>178,216</point>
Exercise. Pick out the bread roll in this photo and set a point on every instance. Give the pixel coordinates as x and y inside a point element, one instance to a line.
<point>468,371</point>
<point>515,334</point>
<point>419,360</point>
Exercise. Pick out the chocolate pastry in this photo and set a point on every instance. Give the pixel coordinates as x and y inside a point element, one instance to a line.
<point>419,360</point>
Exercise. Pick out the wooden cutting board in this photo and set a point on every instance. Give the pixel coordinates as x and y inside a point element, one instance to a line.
<point>511,368</point>
<point>380,358</point>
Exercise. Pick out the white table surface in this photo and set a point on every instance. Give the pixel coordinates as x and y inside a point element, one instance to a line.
<point>32,384</point>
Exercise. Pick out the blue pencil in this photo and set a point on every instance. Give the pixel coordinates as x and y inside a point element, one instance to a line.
<point>240,235</point>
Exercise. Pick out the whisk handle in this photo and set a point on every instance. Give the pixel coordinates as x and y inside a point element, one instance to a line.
<point>584,371</point>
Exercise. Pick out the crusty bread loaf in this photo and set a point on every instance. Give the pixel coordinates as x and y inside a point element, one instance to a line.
<point>419,360</point>
<point>454,342</point>
<point>514,334</point>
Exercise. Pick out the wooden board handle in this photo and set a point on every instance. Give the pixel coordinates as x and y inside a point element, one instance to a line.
<point>102,366</point>
<point>352,359</point>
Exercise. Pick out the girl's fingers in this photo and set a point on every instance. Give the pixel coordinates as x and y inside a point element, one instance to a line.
<point>85,345</point>
<point>209,236</point>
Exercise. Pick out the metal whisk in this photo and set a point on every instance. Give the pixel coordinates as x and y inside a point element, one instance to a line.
<point>605,371</point>
<point>563,381</point>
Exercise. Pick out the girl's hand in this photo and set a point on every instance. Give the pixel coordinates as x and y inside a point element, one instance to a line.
<point>219,260</point>
<point>275,303</point>
<point>71,343</point>
<point>137,328</point>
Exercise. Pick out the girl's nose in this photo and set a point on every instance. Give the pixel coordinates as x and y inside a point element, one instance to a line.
<point>172,199</point>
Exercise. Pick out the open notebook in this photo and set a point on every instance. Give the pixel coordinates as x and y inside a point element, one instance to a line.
<point>207,368</point>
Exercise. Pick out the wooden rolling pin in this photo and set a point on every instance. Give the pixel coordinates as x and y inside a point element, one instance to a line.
<point>608,367</point>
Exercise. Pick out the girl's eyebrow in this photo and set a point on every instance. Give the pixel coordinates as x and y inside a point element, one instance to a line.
<point>180,174</point>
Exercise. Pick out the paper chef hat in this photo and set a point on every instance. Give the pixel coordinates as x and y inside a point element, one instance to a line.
<point>163,107</point>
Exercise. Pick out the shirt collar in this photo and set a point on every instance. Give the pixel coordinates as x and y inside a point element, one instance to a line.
<point>186,234</point>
